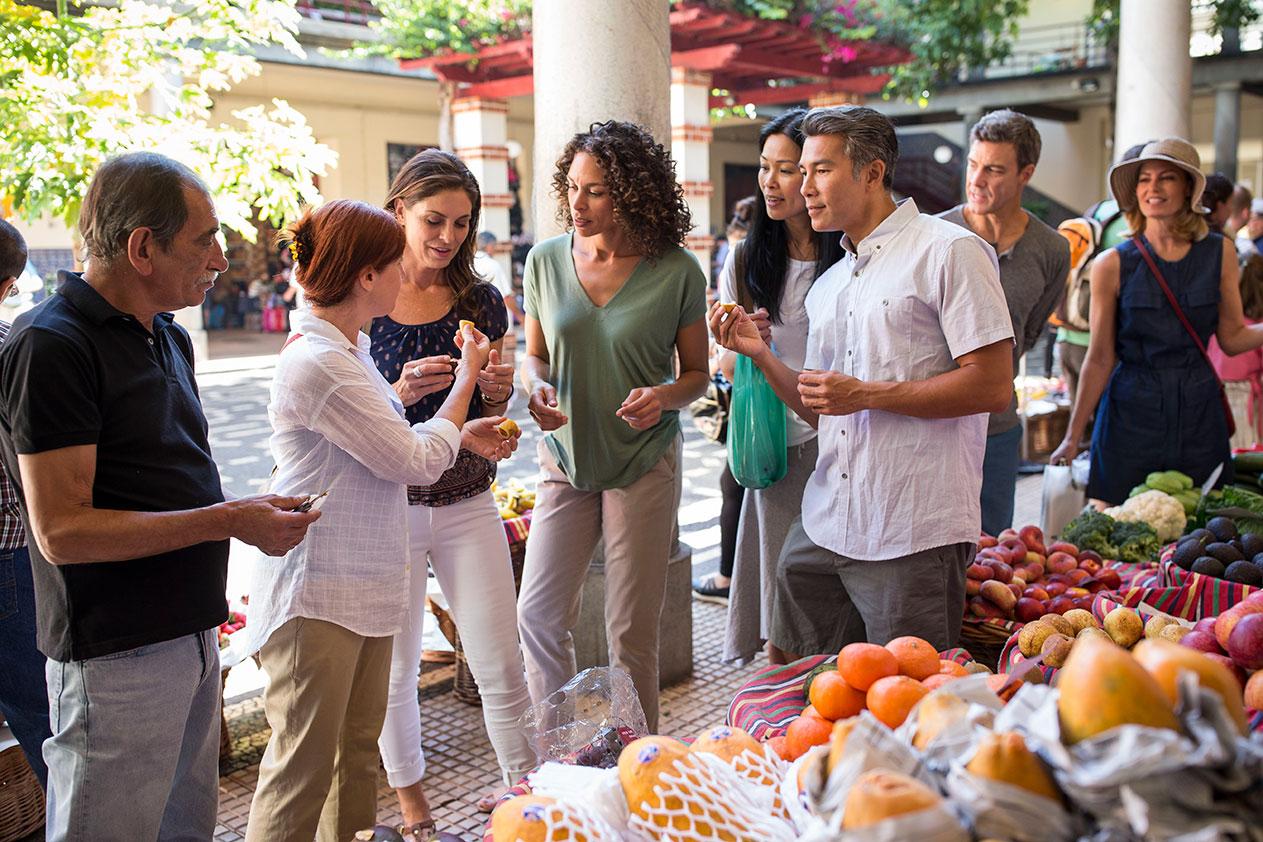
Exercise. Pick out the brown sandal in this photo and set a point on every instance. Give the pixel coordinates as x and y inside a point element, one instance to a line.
<point>418,832</point>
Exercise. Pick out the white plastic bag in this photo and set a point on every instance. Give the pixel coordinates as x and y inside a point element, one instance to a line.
<point>1063,498</point>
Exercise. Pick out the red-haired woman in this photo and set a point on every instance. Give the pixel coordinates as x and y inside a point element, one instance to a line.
<point>453,522</point>
<point>327,613</point>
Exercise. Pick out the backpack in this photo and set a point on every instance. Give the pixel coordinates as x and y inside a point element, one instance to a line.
<point>1084,236</point>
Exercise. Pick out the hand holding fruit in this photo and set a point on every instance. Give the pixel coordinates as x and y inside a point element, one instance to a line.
<point>475,349</point>
<point>496,379</point>
<point>424,376</point>
<point>641,409</point>
<point>736,330</point>
<point>832,393</point>
<point>542,405</point>
<point>490,437</point>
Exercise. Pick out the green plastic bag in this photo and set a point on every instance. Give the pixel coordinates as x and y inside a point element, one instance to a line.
<point>756,429</point>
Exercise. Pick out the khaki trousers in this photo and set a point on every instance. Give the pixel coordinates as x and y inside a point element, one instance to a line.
<point>325,701</point>
<point>638,525</point>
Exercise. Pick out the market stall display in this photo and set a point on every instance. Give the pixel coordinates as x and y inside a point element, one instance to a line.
<point>1142,744</point>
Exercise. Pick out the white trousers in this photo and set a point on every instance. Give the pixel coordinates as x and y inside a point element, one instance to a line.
<point>469,554</point>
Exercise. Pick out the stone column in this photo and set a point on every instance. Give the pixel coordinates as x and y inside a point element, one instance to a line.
<point>596,60</point>
<point>480,137</point>
<point>1155,73</point>
<point>1227,127</point>
<point>691,136</point>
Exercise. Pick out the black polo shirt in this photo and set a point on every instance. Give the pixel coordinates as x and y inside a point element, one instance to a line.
<point>76,371</point>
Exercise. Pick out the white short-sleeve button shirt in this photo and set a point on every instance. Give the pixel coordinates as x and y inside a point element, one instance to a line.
<point>901,305</point>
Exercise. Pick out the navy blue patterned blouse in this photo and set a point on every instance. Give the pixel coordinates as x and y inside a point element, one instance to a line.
<point>395,344</point>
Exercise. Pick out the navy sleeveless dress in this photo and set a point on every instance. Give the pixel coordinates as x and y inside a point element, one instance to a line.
<point>1161,409</point>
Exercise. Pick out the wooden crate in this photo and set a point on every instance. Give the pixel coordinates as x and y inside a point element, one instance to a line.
<point>1042,433</point>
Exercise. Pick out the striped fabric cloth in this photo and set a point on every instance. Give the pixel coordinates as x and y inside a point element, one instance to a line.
<point>518,528</point>
<point>773,697</point>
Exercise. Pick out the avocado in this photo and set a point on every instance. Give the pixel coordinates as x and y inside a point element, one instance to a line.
<point>1187,553</point>
<point>1222,528</point>
<point>1203,535</point>
<point>1251,544</point>
<point>1244,573</point>
<point>1208,566</point>
<point>1226,553</point>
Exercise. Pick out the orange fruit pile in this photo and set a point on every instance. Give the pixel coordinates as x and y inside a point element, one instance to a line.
<point>887,681</point>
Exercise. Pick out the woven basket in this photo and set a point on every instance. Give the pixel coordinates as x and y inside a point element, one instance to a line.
<point>985,639</point>
<point>463,685</point>
<point>21,797</point>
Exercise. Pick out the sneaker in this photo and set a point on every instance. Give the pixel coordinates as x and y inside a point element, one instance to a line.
<point>706,590</point>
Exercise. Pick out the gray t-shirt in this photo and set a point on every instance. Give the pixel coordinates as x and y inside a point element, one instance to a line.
<point>1033,274</point>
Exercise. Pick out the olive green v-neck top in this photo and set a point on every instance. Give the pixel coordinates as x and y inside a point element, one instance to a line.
<point>597,355</point>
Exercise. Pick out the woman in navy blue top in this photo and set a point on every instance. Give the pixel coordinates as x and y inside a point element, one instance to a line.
<point>454,524</point>
<point>1160,404</point>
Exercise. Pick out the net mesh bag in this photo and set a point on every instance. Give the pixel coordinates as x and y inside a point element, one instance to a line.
<point>701,798</point>
<point>764,769</point>
<point>568,821</point>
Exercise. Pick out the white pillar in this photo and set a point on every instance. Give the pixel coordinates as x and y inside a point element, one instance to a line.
<point>480,137</point>
<point>691,137</point>
<point>594,61</point>
<point>1155,72</point>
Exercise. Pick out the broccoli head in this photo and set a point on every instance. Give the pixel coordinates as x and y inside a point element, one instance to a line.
<point>1136,541</point>
<point>1092,530</point>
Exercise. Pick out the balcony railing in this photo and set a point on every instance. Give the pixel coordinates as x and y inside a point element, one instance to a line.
<point>1049,49</point>
<point>339,11</point>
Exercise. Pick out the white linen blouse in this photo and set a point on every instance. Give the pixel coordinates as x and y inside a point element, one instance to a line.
<point>337,425</point>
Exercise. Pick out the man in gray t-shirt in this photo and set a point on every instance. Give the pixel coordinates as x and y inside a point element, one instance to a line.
<point>1034,263</point>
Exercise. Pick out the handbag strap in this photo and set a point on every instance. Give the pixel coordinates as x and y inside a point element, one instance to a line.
<point>1166,290</point>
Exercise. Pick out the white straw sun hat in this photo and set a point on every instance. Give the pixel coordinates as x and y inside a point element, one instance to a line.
<point>1173,150</point>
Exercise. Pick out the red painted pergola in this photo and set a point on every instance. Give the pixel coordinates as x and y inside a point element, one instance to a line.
<point>756,61</point>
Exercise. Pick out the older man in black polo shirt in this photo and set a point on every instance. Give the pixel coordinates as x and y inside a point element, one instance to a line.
<point>101,423</point>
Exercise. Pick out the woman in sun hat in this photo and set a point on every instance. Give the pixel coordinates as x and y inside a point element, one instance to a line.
<point>1161,404</point>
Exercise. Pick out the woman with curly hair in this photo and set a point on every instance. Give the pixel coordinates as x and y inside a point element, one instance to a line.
<point>609,306</point>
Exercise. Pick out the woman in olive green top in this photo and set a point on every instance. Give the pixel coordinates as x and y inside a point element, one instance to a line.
<point>608,308</point>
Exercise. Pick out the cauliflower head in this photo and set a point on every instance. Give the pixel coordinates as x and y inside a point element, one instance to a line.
<point>1156,508</point>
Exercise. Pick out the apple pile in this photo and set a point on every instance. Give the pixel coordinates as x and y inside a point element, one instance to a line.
<point>1235,639</point>
<point>1014,576</point>
<point>235,622</point>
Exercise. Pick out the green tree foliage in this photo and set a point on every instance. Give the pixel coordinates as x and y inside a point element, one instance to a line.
<point>77,88</point>
<point>946,38</point>
<point>410,28</point>
<point>943,37</point>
